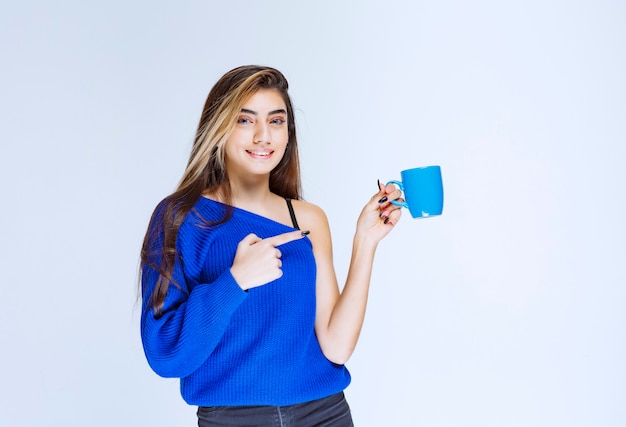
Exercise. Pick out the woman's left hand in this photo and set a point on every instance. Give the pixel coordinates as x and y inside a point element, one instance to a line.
<point>379,215</point>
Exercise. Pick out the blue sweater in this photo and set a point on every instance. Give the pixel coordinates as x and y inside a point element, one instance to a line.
<point>228,346</point>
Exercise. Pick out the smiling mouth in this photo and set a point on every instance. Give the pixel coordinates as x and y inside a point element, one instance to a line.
<point>260,154</point>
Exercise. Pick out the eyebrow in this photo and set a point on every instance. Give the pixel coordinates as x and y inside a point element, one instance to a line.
<point>271,113</point>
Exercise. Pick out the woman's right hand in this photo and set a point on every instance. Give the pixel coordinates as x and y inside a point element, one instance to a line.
<point>257,261</point>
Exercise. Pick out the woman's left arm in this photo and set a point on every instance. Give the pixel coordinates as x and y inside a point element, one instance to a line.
<point>339,316</point>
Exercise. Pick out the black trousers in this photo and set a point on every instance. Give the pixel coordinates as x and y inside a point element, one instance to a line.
<point>332,411</point>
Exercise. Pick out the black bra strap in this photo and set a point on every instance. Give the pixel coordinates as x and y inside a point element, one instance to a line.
<point>293,214</point>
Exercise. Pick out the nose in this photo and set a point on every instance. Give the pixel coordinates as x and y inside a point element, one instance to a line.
<point>262,133</point>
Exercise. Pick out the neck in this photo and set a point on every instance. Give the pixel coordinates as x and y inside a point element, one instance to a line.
<point>248,193</point>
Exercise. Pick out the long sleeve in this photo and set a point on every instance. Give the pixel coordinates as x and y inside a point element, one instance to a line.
<point>194,315</point>
<point>179,341</point>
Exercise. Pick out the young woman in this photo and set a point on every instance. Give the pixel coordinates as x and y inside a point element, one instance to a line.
<point>240,297</point>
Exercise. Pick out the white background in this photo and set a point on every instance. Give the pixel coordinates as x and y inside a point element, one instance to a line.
<point>508,310</point>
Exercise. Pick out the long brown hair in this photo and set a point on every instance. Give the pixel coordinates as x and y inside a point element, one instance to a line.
<point>206,173</point>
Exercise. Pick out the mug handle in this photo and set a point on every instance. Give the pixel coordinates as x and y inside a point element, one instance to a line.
<point>395,202</point>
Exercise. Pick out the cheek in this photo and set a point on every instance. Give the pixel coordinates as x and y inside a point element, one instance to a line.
<point>281,137</point>
<point>281,148</point>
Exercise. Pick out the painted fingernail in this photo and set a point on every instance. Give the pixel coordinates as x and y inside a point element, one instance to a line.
<point>378,181</point>
<point>383,199</point>
<point>386,220</point>
<point>305,232</point>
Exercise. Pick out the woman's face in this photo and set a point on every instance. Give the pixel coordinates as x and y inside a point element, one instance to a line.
<point>259,139</point>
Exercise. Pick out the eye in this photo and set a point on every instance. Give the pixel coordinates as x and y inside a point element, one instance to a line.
<point>277,121</point>
<point>244,120</point>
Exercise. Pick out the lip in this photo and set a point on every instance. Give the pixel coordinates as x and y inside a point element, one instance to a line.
<point>260,154</point>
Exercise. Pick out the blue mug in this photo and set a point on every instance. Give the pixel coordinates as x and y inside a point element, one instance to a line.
<point>423,191</point>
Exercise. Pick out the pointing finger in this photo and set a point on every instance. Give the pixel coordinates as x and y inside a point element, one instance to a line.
<point>281,239</point>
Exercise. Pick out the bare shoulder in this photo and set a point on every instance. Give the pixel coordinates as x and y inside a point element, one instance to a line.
<point>308,211</point>
<point>310,216</point>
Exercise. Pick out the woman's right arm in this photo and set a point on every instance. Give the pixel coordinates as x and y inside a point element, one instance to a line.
<point>192,322</point>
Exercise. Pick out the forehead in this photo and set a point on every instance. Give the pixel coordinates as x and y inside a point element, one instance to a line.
<point>265,100</point>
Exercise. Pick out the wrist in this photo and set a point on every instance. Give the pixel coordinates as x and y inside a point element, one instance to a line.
<point>235,275</point>
<point>363,241</point>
